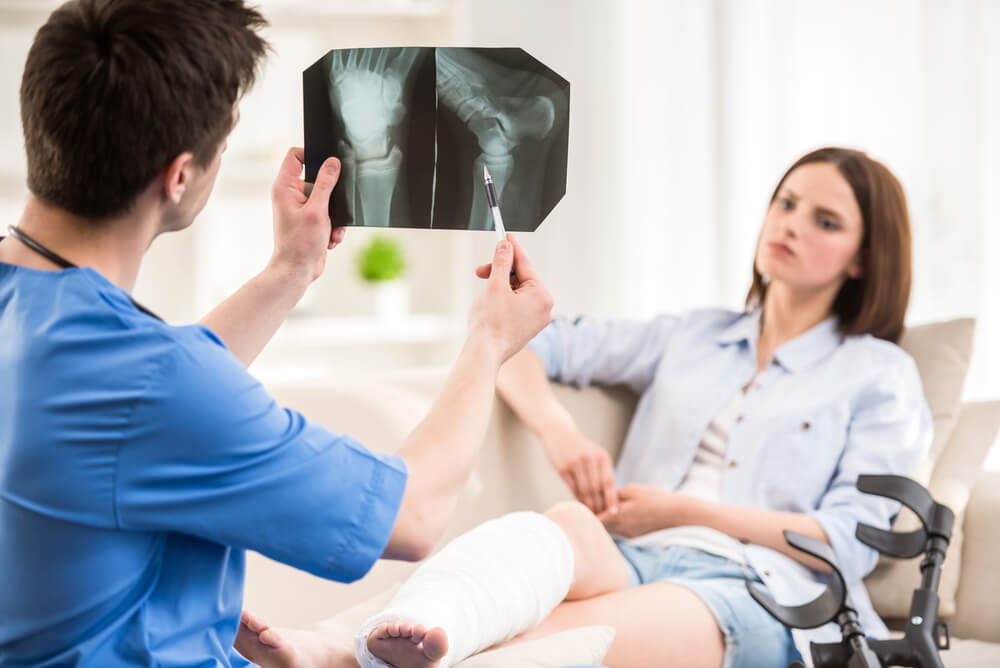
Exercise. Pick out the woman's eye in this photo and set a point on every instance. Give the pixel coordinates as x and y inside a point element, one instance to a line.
<point>827,224</point>
<point>786,204</point>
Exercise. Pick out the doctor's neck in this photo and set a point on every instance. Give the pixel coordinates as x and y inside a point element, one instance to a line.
<point>114,248</point>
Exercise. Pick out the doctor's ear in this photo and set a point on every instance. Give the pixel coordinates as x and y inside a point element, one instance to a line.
<point>856,271</point>
<point>176,176</point>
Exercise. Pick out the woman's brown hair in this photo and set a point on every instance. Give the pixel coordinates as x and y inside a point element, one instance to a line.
<point>875,303</point>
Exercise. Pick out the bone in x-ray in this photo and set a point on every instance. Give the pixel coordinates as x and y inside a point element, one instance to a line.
<point>414,127</point>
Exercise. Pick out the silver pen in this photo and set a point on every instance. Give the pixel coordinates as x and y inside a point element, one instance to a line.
<point>493,202</point>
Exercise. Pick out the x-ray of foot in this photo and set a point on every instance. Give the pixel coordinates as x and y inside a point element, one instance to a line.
<point>472,87</point>
<point>415,126</point>
<point>369,92</point>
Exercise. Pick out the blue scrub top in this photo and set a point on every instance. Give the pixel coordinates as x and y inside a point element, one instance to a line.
<point>137,462</point>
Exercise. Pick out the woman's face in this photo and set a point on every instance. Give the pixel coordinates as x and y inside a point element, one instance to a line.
<point>812,232</point>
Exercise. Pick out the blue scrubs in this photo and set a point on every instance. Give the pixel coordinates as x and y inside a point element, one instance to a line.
<point>137,462</point>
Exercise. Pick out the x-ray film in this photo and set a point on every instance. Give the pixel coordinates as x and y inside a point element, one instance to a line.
<point>414,127</point>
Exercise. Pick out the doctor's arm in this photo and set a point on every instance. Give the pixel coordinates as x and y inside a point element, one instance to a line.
<point>248,319</point>
<point>442,450</point>
<point>211,454</point>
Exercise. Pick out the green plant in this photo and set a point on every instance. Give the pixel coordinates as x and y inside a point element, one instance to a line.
<point>381,260</point>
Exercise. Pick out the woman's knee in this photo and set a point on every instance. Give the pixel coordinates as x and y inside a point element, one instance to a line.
<point>580,524</point>
<point>599,566</point>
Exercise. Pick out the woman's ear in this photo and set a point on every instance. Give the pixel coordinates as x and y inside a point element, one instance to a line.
<point>856,269</point>
<point>176,176</point>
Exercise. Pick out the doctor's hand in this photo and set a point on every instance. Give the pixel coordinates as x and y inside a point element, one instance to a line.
<point>512,309</point>
<point>584,466</point>
<point>303,231</point>
<point>645,508</point>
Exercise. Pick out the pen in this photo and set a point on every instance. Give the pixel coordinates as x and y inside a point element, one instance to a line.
<point>493,202</point>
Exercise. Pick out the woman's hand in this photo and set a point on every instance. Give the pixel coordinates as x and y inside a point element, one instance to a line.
<point>646,508</point>
<point>584,466</point>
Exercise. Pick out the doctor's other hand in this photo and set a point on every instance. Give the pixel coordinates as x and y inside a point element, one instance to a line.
<point>303,231</point>
<point>513,308</point>
<point>584,466</point>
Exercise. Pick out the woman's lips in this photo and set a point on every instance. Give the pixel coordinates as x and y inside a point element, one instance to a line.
<point>780,248</point>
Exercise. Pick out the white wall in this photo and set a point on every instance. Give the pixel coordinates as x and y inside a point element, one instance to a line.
<point>580,247</point>
<point>723,96</point>
<point>683,116</point>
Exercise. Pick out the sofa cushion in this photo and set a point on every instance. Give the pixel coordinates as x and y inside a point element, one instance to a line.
<point>971,654</point>
<point>892,582</point>
<point>583,645</point>
<point>978,614</point>
<point>941,351</point>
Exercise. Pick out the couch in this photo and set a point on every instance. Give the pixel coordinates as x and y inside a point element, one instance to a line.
<point>513,474</point>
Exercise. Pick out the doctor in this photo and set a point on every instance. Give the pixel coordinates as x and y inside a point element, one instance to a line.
<point>138,460</point>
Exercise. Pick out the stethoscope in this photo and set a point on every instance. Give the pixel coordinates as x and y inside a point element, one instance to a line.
<point>62,262</point>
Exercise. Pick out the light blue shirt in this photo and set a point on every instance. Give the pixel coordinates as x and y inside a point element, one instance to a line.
<point>826,409</point>
<point>137,462</point>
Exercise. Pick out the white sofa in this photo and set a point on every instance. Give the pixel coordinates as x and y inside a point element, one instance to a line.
<point>513,474</point>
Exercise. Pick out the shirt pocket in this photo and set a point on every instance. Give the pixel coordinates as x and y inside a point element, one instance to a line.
<point>798,459</point>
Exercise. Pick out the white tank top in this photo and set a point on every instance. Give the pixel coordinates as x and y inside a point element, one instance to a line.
<point>704,480</point>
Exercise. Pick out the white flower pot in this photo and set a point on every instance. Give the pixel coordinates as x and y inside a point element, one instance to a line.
<point>392,300</point>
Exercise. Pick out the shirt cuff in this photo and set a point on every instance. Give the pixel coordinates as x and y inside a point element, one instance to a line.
<point>546,346</point>
<point>854,559</point>
<point>369,529</point>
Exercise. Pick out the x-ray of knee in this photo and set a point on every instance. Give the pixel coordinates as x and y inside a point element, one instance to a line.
<point>414,127</point>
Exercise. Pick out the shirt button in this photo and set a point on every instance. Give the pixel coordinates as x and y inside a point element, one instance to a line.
<point>732,464</point>
<point>767,573</point>
<point>805,426</point>
<point>739,418</point>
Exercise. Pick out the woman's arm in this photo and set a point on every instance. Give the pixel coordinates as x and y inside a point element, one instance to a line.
<point>524,385</point>
<point>761,527</point>
<point>646,508</point>
<point>584,465</point>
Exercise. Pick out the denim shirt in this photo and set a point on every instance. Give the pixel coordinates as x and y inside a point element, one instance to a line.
<point>825,409</point>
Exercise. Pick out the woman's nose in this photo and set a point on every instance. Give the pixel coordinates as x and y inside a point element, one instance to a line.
<point>791,225</point>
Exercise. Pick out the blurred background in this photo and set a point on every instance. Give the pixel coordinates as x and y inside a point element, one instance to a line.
<point>684,114</point>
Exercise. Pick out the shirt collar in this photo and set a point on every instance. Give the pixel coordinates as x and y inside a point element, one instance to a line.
<point>745,328</point>
<point>801,352</point>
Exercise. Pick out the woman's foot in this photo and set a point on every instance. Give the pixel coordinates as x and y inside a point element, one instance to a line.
<point>408,646</point>
<point>289,648</point>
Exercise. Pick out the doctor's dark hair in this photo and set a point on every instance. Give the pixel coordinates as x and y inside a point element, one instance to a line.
<point>114,90</point>
<point>875,303</point>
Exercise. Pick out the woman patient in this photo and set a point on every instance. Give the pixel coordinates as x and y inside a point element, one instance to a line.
<point>748,423</point>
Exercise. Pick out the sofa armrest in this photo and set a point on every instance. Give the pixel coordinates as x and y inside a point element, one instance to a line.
<point>978,599</point>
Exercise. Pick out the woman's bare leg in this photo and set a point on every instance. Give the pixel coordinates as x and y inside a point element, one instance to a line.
<point>658,624</point>
<point>598,566</point>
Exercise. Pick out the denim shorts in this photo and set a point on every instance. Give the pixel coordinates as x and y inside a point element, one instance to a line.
<point>753,638</point>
